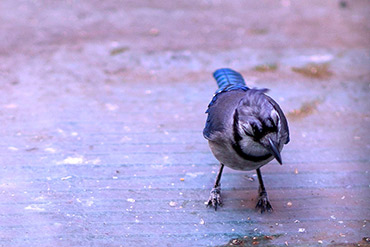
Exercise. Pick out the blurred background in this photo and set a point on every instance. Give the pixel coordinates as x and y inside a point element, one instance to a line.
<point>102,110</point>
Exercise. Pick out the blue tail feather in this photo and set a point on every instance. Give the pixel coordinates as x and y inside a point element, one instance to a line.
<point>226,78</point>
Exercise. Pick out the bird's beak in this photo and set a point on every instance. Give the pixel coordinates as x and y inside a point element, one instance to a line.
<point>274,151</point>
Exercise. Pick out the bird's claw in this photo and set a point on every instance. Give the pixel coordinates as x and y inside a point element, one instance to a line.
<point>215,198</point>
<point>263,203</point>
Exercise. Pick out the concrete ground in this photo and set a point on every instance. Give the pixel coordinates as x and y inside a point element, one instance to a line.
<point>102,109</point>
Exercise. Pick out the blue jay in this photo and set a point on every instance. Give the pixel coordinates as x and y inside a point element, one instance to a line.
<point>245,130</point>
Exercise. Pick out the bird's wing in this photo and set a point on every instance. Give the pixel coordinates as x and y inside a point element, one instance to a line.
<point>220,113</point>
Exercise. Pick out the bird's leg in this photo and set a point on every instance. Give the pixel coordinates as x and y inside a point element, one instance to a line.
<point>263,203</point>
<point>215,195</point>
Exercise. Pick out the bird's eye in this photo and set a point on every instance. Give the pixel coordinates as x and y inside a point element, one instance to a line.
<point>270,123</point>
<point>256,129</point>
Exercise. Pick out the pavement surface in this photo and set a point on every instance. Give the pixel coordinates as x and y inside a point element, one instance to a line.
<point>102,109</point>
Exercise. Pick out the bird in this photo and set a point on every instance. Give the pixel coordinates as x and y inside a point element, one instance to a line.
<point>245,129</point>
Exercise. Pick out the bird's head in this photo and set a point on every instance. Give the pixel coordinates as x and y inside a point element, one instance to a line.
<point>260,123</point>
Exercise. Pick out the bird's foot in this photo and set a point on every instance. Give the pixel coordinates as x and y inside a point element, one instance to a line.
<point>215,198</point>
<point>263,203</point>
